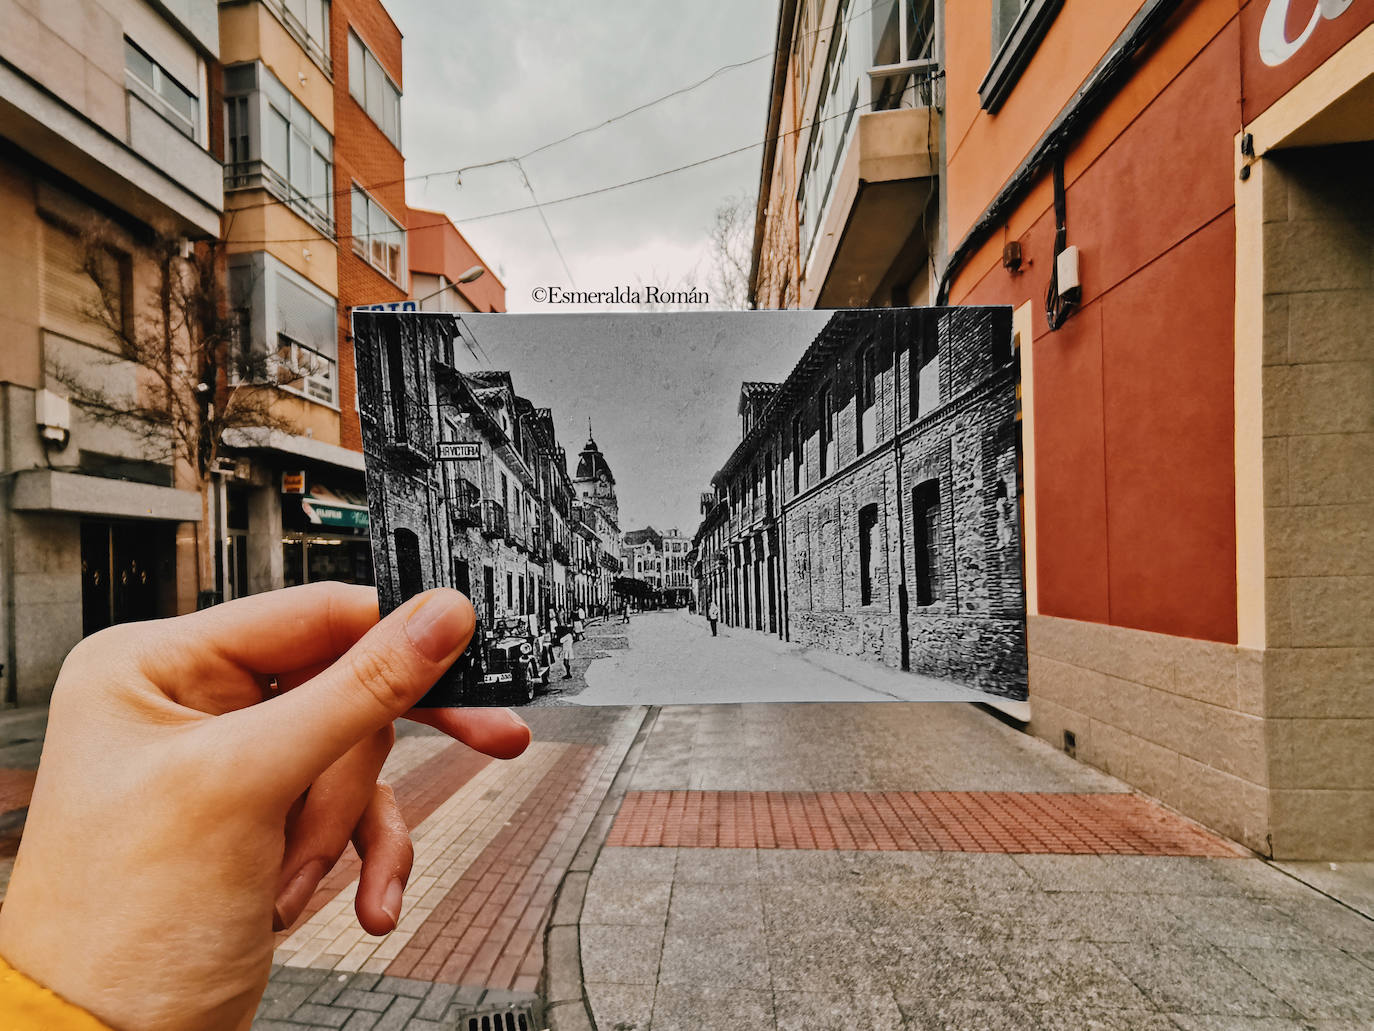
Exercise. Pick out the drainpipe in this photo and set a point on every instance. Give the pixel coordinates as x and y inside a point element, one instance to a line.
<point>903,598</point>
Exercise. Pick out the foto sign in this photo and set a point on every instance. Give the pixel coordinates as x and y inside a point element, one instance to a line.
<point>457,451</point>
<point>293,483</point>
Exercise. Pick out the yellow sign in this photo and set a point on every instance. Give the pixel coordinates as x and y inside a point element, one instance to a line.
<point>293,483</point>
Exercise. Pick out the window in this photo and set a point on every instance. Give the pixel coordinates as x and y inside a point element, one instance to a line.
<point>925,374</point>
<point>1018,26</point>
<point>273,142</point>
<point>825,413</point>
<point>798,455</point>
<point>76,282</point>
<point>865,412</point>
<point>288,328</point>
<point>373,89</point>
<point>868,550</point>
<point>308,21</point>
<point>925,536</point>
<point>151,83</point>
<point>839,99</point>
<point>378,238</point>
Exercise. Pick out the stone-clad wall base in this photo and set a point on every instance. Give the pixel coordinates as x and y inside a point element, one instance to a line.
<point>987,654</point>
<point>1180,719</point>
<point>1248,743</point>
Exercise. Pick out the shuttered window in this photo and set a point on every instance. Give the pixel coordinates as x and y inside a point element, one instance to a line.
<point>70,298</point>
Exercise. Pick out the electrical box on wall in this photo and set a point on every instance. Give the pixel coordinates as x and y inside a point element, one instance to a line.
<point>53,414</point>
<point>1066,273</point>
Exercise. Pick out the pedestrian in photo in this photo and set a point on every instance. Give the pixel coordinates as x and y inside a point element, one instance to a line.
<point>580,624</point>
<point>713,614</point>
<point>566,637</point>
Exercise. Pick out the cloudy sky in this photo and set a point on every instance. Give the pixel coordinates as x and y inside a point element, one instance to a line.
<point>661,391</point>
<point>501,80</point>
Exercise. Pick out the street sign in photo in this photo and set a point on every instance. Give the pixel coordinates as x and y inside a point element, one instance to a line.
<point>458,451</point>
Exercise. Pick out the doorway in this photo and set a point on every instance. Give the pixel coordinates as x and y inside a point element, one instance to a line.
<point>120,575</point>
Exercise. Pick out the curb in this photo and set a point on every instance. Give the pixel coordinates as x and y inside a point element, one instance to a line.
<point>566,1007</point>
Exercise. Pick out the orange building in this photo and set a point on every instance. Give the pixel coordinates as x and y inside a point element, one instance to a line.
<point>1197,385</point>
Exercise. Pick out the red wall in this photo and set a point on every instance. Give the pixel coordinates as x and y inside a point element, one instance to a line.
<point>1134,411</point>
<point>362,155</point>
<point>438,248</point>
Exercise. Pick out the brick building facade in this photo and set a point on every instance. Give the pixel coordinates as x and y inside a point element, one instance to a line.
<point>871,507</point>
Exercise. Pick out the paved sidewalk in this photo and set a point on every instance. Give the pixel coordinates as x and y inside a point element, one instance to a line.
<point>824,866</point>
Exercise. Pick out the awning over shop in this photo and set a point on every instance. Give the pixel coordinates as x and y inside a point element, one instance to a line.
<point>329,506</point>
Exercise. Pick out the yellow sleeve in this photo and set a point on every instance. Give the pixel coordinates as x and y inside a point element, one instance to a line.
<point>25,1005</point>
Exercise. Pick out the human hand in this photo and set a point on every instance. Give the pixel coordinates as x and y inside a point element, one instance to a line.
<point>199,777</point>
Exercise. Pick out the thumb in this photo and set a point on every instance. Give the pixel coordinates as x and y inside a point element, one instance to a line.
<point>373,683</point>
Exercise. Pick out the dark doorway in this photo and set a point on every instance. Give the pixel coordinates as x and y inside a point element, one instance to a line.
<point>462,580</point>
<point>489,593</point>
<point>119,574</point>
<point>408,569</point>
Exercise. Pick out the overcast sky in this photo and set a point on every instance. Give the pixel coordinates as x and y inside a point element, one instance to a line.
<point>497,80</point>
<point>490,81</point>
<point>661,391</point>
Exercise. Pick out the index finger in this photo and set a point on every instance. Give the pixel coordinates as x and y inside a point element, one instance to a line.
<point>284,630</point>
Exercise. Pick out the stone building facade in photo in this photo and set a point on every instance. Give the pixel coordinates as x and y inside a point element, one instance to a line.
<point>871,507</point>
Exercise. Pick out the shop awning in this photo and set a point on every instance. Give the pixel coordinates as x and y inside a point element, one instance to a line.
<point>326,506</point>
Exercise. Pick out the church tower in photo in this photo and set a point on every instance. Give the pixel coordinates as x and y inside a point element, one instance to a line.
<point>594,482</point>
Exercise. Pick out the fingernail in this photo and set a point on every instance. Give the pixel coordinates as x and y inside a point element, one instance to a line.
<point>391,901</point>
<point>515,720</point>
<point>437,627</point>
<point>291,900</point>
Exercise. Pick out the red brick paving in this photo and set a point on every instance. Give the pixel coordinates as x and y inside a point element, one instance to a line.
<point>418,793</point>
<point>489,929</point>
<point>912,821</point>
<point>16,786</point>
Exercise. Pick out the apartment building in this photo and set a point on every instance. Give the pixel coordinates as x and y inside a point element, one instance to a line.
<point>109,161</point>
<point>1168,194</point>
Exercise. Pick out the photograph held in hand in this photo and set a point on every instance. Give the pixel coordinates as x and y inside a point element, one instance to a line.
<point>856,515</point>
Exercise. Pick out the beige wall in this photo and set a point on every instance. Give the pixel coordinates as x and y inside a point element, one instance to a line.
<point>1318,417</point>
<point>296,243</point>
<point>249,32</point>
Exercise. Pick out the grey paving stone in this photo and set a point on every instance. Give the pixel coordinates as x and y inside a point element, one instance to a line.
<point>702,907</point>
<point>1064,973</point>
<point>417,1024</point>
<point>810,1011</point>
<point>436,1000</point>
<point>1051,1018</point>
<point>1187,1022</point>
<point>363,981</point>
<point>633,902</point>
<point>641,864</point>
<point>1241,923</point>
<point>361,1020</point>
<point>277,1025</point>
<point>1195,980</point>
<point>733,957</point>
<point>351,998</point>
<point>817,961</point>
<point>1329,923</point>
<point>621,1007</point>
<point>280,999</point>
<point>299,975</point>
<point>716,866</point>
<point>398,1014</point>
<point>942,967</point>
<point>1318,983</point>
<point>923,1013</point>
<point>403,986</point>
<point>696,1007</point>
<point>327,992</point>
<point>1118,917</point>
<point>325,1016</point>
<point>620,955</point>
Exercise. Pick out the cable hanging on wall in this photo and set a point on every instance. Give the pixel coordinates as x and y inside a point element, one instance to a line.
<point>1061,298</point>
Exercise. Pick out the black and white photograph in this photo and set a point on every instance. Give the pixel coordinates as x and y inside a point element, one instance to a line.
<point>703,507</point>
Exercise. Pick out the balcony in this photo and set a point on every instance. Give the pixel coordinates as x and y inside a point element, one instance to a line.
<point>409,425</point>
<point>492,519</point>
<point>304,370</point>
<point>538,552</point>
<point>559,551</point>
<point>515,535</point>
<point>871,164</point>
<point>464,507</point>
